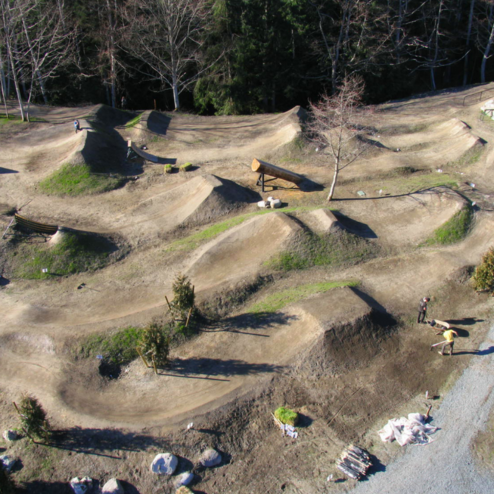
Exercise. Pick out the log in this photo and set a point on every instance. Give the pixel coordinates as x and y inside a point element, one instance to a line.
<point>275,171</point>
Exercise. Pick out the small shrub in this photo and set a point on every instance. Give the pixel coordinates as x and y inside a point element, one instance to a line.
<point>154,342</point>
<point>186,167</point>
<point>33,418</point>
<point>483,277</point>
<point>183,294</point>
<point>286,416</point>
<point>168,169</point>
<point>403,171</point>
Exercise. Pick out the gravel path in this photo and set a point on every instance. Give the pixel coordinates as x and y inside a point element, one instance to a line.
<point>447,465</point>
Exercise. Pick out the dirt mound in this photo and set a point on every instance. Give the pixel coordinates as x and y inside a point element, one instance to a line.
<point>351,334</point>
<point>321,221</point>
<point>109,116</point>
<point>409,219</point>
<point>197,201</point>
<point>241,251</point>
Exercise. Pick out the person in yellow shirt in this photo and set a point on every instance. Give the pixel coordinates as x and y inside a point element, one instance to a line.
<point>449,336</point>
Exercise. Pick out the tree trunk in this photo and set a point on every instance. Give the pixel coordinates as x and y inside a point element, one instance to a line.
<point>333,184</point>
<point>3,86</point>
<point>16,81</point>
<point>487,48</point>
<point>469,33</point>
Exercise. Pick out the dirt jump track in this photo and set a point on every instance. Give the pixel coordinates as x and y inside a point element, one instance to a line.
<point>308,353</point>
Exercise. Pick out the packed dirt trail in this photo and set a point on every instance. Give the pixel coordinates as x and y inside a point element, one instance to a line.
<point>42,321</point>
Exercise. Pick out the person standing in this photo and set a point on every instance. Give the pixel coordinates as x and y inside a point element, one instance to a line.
<point>422,309</point>
<point>449,336</point>
<point>76,126</point>
<point>124,103</point>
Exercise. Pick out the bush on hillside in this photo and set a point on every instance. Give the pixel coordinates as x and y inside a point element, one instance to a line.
<point>155,343</point>
<point>286,416</point>
<point>33,418</point>
<point>483,277</point>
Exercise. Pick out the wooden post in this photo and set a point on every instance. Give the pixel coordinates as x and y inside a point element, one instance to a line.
<point>142,356</point>
<point>154,364</point>
<point>169,306</point>
<point>188,316</point>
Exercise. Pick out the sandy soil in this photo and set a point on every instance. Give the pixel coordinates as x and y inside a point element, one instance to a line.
<point>229,377</point>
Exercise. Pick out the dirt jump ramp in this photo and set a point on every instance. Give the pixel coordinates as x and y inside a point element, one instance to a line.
<point>241,251</point>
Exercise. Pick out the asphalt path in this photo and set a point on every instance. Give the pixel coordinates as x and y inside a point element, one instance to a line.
<point>447,465</point>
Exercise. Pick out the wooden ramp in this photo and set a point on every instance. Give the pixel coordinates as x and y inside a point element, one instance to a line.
<point>141,153</point>
<point>264,168</point>
<point>35,226</point>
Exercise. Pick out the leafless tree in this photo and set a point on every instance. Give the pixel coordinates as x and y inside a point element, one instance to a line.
<point>485,37</point>
<point>336,122</point>
<point>167,37</point>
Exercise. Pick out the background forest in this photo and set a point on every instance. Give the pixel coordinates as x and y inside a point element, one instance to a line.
<point>237,56</point>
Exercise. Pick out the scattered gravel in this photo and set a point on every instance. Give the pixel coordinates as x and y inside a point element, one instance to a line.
<point>447,465</point>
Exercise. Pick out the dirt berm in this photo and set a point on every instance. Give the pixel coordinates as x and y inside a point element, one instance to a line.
<point>352,332</point>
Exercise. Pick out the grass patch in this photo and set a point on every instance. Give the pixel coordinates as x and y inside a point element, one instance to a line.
<point>75,253</point>
<point>454,230</point>
<point>277,301</point>
<point>469,157</point>
<point>133,122</point>
<point>408,184</point>
<point>118,347</point>
<point>75,180</point>
<point>193,241</point>
<point>403,171</point>
<point>329,249</point>
<point>286,416</point>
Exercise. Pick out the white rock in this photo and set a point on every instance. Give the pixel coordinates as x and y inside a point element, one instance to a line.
<point>7,462</point>
<point>276,203</point>
<point>164,464</point>
<point>262,204</point>
<point>184,479</point>
<point>270,199</point>
<point>113,486</point>
<point>10,435</point>
<point>210,458</point>
<point>81,486</point>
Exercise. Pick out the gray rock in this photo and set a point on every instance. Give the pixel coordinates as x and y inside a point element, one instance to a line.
<point>7,462</point>
<point>81,486</point>
<point>184,479</point>
<point>210,458</point>
<point>10,435</point>
<point>113,486</point>
<point>164,464</point>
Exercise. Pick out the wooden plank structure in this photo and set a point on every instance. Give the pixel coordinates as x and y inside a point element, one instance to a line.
<point>264,168</point>
<point>36,226</point>
<point>354,462</point>
<point>141,153</point>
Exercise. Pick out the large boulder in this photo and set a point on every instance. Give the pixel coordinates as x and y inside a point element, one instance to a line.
<point>10,435</point>
<point>184,479</point>
<point>164,464</point>
<point>7,462</point>
<point>81,486</point>
<point>210,458</point>
<point>113,486</point>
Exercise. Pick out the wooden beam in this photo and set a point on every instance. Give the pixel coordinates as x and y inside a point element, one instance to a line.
<point>263,167</point>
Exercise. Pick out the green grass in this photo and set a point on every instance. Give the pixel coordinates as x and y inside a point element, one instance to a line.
<point>133,122</point>
<point>185,167</point>
<point>277,301</point>
<point>415,182</point>
<point>118,347</point>
<point>75,253</point>
<point>75,180</point>
<point>454,230</point>
<point>469,157</point>
<point>286,416</point>
<point>332,249</point>
<point>193,241</point>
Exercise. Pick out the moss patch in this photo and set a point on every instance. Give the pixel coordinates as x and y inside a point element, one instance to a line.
<point>330,249</point>
<point>133,122</point>
<point>286,416</point>
<point>277,301</point>
<point>75,253</point>
<point>75,180</point>
<point>454,230</point>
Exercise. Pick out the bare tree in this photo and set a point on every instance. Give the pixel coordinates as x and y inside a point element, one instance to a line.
<point>485,21</point>
<point>335,123</point>
<point>167,37</point>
